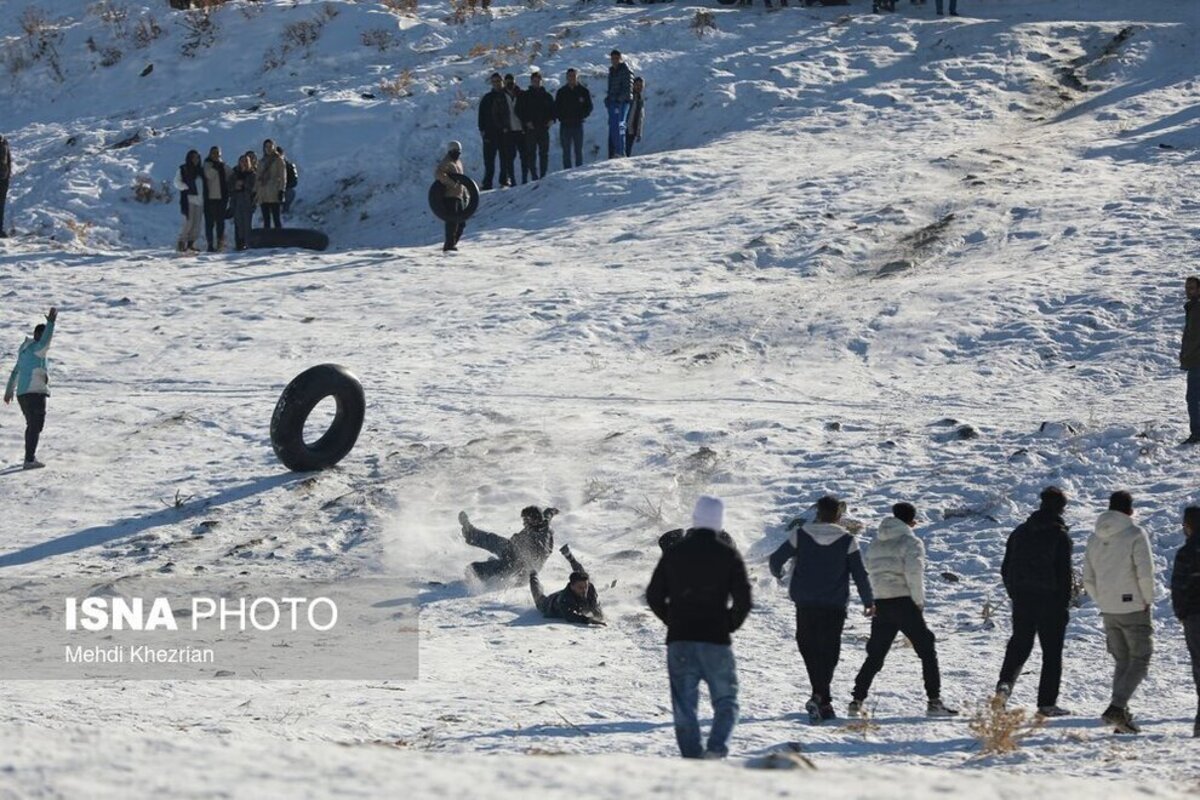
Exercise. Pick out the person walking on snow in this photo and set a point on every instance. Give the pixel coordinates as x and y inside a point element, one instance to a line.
<point>524,552</point>
<point>826,556</point>
<point>577,602</point>
<point>701,591</point>
<point>895,563</point>
<point>454,194</point>
<point>637,115</point>
<point>5,177</point>
<point>1185,596</point>
<point>1118,573</point>
<point>1189,356</point>
<point>572,105</point>
<point>30,383</point>
<point>1037,576</point>
<point>270,185</point>
<point>189,182</point>
<point>617,101</point>
<point>215,177</point>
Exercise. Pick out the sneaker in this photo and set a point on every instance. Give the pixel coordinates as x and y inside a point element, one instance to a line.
<point>35,464</point>
<point>937,708</point>
<point>814,711</point>
<point>709,755</point>
<point>1113,715</point>
<point>1003,692</point>
<point>854,709</point>
<point>827,712</point>
<point>1126,724</point>
<point>1052,711</point>
<point>1191,440</point>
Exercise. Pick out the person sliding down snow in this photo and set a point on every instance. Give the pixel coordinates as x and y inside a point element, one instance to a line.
<point>526,551</point>
<point>575,603</point>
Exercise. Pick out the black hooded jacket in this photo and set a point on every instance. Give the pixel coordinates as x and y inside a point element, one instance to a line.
<point>1185,579</point>
<point>692,587</point>
<point>1037,559</point>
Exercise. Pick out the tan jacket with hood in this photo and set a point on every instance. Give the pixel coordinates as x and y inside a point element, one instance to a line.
<point>272,179</point>
<point>452,189</point>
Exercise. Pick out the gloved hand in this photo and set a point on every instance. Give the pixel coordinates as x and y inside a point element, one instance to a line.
<point>565,550</point>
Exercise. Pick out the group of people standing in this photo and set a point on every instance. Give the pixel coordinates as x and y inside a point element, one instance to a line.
<point>514,123</point>
<point>210,192</point>
<point>701,591</point>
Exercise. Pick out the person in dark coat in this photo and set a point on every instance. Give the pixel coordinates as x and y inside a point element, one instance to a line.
<point>524,552</point>
<point>576,603</point>
<point>826,557</point>
<point>215,178</point>
<point>5,177</point>
<point>492,126</point>
<point>572,105</point>
<point>189,182</point>
<point>1189,356</point>
<point>241,199</point>
<point>701,591</point>
<point>1037,576</point>
<point>535,109</point>
<point>637,115</point>
<point>617,101</point>
<point>1185,596</point>
<point>514,132</point>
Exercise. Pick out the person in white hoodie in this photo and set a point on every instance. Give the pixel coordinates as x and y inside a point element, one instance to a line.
<point>1118,573</point>
<point>895,563</point>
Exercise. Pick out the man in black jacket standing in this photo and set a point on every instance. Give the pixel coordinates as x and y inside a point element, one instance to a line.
<point>1037,576</point>
<point>1189,356</point>
<point>691,591</point>
<point>1185,596</point>
<point>572,105</point>
<point>535,108</point>
<point>5,175</point>
<point>493,114</point>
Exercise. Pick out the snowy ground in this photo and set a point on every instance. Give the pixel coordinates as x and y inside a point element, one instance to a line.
<point>883,223</point>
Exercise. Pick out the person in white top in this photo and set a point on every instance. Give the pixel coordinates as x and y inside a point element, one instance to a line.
<point>1118,573</point>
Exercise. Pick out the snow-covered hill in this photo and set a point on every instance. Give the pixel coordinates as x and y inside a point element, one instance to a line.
<point>849,236</point>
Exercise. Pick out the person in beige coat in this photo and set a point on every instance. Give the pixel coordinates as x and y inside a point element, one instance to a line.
<point>454,194</point>
<point>1118,573</point>
<point>271,183</point>
<point>895,564</point>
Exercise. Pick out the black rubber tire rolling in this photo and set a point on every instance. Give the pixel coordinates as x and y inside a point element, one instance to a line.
<point>439,209</point>
<point>287,237</point>
<point>297,402</point>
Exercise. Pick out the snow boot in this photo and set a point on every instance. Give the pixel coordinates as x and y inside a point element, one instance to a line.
<point>827,712</point>
<point>814,711</point>
<point>1052,711</point>
<point>1003,692</point>
<point>855,708</point>
<point>1126,723</point>
<point>35,464</point>
<point>1112,715</point>
<point>936,708</point>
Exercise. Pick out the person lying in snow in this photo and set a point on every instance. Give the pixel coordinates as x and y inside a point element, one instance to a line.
<point>575,603</point>
<point>524,552</point>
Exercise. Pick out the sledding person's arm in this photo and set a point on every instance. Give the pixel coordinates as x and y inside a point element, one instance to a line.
<point>783,554</point>
<point>570,557</point>
<point>657,593</point>
<point>739,589</point>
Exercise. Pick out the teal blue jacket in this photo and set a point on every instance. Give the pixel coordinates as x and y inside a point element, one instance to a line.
<point>31,375</point>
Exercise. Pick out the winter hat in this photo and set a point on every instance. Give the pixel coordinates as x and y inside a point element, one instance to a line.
<point>709,513</point>
<point>454,147</point>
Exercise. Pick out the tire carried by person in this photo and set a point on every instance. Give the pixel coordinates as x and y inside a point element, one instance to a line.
<point>299,399</point>
<point>436,192</point>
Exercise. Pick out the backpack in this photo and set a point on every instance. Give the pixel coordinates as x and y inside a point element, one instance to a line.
<point>293,175</point>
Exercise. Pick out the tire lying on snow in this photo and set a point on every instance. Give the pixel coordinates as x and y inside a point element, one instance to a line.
<point>306,238</point>
<point>439,208</point>
<point>297,402</point>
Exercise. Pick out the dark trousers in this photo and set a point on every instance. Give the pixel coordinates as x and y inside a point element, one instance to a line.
<point>491,152</point>
<point>1193,401</point>
<point>571,139</point>
<point>629,140</point>
<point>953,6</point>
<point>243,220</point>
<point>505,562</point>
<point>270,214</point>
<point>539,596</point>
<point>289,197</point>
<point>3,201</point>
<point>509,145</point>
<point>819,637</point>
<point>525,151</point>
<point>1043,618</point>
<point>454,227</point>
<point>214,221</point>
<point>899,615</point>
<point>539,150</point>
<point>33,406</point>
<point>1191,634</point>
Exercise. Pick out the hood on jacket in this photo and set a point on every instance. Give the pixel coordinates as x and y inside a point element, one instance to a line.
<point>1112,523</point>
<point>825,533</point>
<point>892,528</point>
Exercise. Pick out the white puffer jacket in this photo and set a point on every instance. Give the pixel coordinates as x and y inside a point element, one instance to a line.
<point>1118,571</point>
<point>896,562</point>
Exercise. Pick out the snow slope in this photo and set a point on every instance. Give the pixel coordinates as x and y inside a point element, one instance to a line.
<point>848,236</point>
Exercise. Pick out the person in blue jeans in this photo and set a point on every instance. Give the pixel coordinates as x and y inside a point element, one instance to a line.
<point>617,101</point>
<point>701,591</point>
<point>953,8</point>
<point>1189,356</point>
